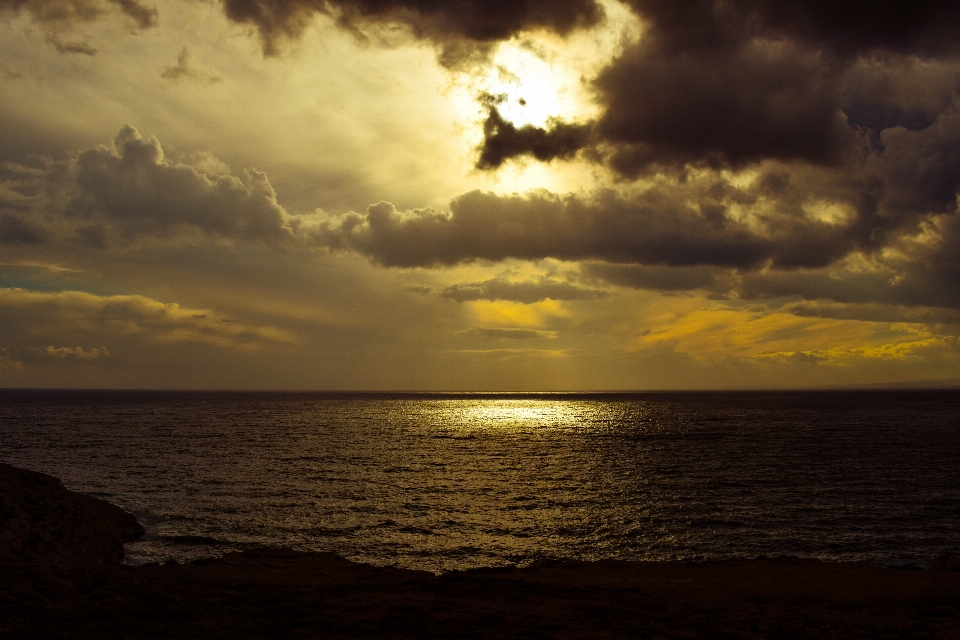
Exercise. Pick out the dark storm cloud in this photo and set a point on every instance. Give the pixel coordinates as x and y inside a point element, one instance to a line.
<point>58,16</point>
<point>818,284</point>
<point>727,83</point>
<point>527,292</point>
<point>915,283</point>
<point>700,26</point>
<point>762,100</point>
<point>16,230</point>
<point>844,26</point>
<point>731,108</point>
<point>873,312</point>
<point>890,91</point>
<point>920,169</point>
<point>851,288</point>
<point>933,274</point>
<point>911,272</point>
<point>502,140</point>
<point>659,277</point>
<point>660,227</point>
<point>446,23</point>
<point>910,293</point>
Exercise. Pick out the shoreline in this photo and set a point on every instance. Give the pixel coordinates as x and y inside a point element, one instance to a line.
<point>63,580</point>
<point>274,593</point>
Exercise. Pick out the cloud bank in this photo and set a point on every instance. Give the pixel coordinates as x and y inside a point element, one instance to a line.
<point>460,28</point>
<point>884,231</point>
<point>130,191</point>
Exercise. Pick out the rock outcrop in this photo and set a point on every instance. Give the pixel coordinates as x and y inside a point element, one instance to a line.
<point>41,522</point>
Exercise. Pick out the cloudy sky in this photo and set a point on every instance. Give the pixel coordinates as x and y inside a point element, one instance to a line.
<point>479,194</point>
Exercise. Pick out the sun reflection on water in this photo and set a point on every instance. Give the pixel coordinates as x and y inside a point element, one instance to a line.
<point>519,414</point>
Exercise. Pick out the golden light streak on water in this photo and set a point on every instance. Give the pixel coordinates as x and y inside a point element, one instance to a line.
<point>500,414</point>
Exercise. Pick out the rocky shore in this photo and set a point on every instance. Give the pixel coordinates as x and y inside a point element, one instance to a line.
<point>41,522</point>
<point>59,578</point>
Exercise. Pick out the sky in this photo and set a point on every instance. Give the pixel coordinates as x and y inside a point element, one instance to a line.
<point>479,195</point>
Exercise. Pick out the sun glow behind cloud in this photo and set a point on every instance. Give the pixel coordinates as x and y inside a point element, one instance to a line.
<point>542,77</point>
<point>534,91</point>
<point>537,79</point>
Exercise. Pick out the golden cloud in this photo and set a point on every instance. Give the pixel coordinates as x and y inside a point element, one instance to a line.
<point>33,314</point>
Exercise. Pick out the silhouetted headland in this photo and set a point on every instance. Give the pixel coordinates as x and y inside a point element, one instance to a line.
<point>60,577</point>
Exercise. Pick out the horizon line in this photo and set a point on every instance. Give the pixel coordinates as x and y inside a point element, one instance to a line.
<point>919,386</point>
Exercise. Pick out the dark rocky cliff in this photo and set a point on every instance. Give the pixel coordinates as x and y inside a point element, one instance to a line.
<point>41,522</point>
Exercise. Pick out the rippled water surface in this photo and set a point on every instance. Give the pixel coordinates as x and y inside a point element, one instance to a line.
<point>441,482</point>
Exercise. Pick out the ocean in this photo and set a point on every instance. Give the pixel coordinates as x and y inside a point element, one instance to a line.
<point>454,481</point>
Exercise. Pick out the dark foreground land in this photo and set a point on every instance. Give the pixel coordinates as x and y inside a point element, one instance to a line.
<point>58,580</point>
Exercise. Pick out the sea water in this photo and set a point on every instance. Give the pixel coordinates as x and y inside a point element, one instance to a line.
<point>445,481</point>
